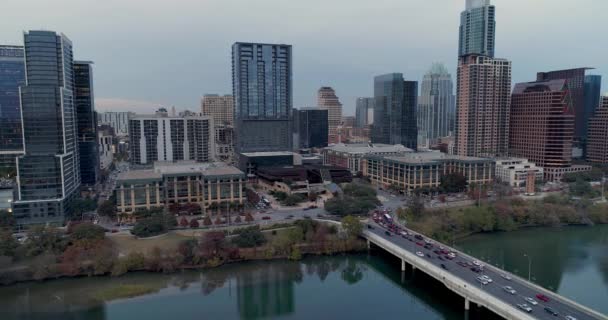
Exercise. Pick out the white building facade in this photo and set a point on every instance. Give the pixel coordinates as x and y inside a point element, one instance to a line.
<point>514,171</point>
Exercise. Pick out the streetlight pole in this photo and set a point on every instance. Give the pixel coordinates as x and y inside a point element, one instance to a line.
<point>529,265</point>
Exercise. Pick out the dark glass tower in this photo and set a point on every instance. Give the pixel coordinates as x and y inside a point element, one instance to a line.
<point>87,122</point>
<point>262,88</point>
<point>477,29</point>
<point>12,76</point>
<point>312,127</point>
<point>49,173</point>
<point>395,111</point>
<point>593,93</point>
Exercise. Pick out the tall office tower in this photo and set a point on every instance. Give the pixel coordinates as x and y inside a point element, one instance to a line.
<point>327,99</point>
<point>84,103</point>
<point>542,125</point>
<point>395,111</point>
<point>119,121</point>
<point>12,76</point>
<point>483,101</point>
<point>311,127</point>
<point>49,171</point>
<point>576,85</point>
<point>593,93</point>
<point>220,108</point>
<point>364,112</point>
<point>262,90</point>
<point>477,29</point>
<point>436,105</point>
<point>161,137</point>
<point>597,140</point>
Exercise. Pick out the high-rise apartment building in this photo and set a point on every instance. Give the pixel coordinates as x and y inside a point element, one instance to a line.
<point>49,173</point>
<point>364,112</point>
<point>327,99</point>
<point>219,108</point>
<point>542,125</point>
<point>395,111</point>
<point>576,85</point>
<point>311,127</point>
<point>119,121</point>
<point>161,137</point>
<point>12,76</point>
<point>483,101</point>
<point>597,139</point>
<point>262,90</point>
<point>477,29</point>
<point>436,105</point>
<point>84,103</point>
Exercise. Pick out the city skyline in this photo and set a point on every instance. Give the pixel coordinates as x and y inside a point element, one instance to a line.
<point>350,72</point>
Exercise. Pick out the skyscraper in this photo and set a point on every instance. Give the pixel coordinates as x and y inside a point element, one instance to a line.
<point>161,137</point>
<point>119,121</point>
<point>436,105</point>
<point>220,108</point>
<point>576,85</point>
<point>477,29</point>
<point>483,102</point>
<point>262,89</point>
<point>364,112</point>
<point>311,127</point>
<point>84,103</point>
<point>49,173</point>
<point>327,99</point>
<point>597,142</point>
<point>542,125</point>
<point>395,111</point>
<point>593,93</point>
<point>12,76</point>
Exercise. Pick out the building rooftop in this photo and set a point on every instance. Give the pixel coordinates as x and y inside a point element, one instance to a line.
<point>162,168</point>
<point>139,175</point>
<point>365,148</point>
<point>267,154</point>
<point>430,157</point>
<point>222,171</point>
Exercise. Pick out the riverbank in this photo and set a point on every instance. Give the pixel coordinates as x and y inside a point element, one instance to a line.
<point>449,225</point>
<point>118,255</point>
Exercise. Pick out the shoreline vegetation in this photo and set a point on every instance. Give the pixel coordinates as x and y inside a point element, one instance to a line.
<point>503,215</point>
<point>86,251</point>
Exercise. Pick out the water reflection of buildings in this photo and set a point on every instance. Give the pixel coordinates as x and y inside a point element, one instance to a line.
<point>266,292</point>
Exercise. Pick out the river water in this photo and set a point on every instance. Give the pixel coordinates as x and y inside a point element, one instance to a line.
<point>573,261</point>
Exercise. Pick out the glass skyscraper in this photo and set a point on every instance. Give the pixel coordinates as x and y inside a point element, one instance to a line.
<point>49,174</point>
<point>477,29</point>
<point>12,76</point>
<point>436,105</point>
<point>593,92</point>
<point>395,111</point>
<point>87,122</point>
<point>364,112</point>
<point>311,127</point>
<point>262,90</point>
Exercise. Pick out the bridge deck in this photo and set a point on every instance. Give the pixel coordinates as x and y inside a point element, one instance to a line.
<point>464,281</point>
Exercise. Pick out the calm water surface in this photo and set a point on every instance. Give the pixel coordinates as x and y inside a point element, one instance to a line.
<point>572,261</point>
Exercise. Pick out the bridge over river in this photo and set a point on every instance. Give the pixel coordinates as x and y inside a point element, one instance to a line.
<point>457,275</point>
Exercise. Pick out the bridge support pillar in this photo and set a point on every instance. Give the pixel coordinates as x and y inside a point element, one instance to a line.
<point>466,304</point>
<point>402,265</point>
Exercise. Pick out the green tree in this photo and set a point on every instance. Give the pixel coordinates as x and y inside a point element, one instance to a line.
<point>42,239</point>
<point>8,244</point>
<point>107,209</point>
<point>292,200</point>
<point>453,182</point>
<point>149,227</point>
<point>249,238</point>
<point>87,232</point>
<point>352,225</point>
<point>415,207</point>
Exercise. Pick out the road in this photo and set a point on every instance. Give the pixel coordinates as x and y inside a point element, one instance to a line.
<point>496,287</point>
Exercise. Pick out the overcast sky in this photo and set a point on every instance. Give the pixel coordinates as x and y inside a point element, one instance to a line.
<point>150,52</point>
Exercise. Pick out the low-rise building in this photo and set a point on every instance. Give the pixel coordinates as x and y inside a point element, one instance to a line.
<point>515,171</point>
<point>179,182</point>
<point>301,179</point>
<point>350,155</point>
<point>423,170</point>
<point>250,162</point>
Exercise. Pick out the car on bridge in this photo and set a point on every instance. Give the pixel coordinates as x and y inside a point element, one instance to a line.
<point>482,280</point>
<point>551,311</point>
<point>531,301</point>
<point>570,318</point>
<point>420,254</point>
<point>506,276</point>
<point>525,307</point>
<point>509,289</point>
<point>542,297</point>
<point>488,279</point>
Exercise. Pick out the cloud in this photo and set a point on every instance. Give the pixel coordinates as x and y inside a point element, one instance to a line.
<point>118,104</point>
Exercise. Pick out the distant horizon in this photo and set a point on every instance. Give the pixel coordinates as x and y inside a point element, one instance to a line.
<point>178,52</point>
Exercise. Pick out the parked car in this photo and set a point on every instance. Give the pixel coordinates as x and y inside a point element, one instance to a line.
<point>542,297</point>
<point>525,307</point>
